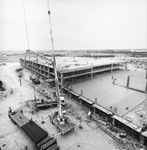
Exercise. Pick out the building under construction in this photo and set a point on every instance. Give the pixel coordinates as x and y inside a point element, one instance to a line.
<point>71,69</point>
<point>74,69</point>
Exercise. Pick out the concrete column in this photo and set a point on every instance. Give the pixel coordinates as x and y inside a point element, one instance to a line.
<point>80,101</point>
<point>61,79</point>
<point>44,70</point>
<point>29,65</point>
<point>48,72</point>
<point>91,71</point>
<point>115,110</point>
<point>111,108</point>
<point>142,139</point>
<point>36,60</point>
<point>39,66</point>
<point>113,121</point>
<point>146,88</point>
<point>94,110</point>
<point>146,73</point>
<point>82,92</point>
<point>126,66</point>
<point>61,89</point>
<point>95,100</point>
<point>131,132</point>
<point>54,93</point>
<point>111,68</point>
<point>128,81</point>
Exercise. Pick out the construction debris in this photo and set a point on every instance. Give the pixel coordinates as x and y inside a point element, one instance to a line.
<point>35,80</point>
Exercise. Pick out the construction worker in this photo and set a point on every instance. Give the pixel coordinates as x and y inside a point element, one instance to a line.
<point>80,126</point>
<point>21,111</point>
<point>9,111</point>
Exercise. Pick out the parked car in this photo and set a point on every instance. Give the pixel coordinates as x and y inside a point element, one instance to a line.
<point>35,81</point>
<point>18,70</point>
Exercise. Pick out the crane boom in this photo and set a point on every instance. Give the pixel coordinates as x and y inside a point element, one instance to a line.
<point>55,68</point>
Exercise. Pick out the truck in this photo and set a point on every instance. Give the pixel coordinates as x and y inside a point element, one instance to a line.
<point>41,139</point>
<point>63,125</point>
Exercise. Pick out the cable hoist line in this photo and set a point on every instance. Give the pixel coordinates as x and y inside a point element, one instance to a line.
<point>26,25</point>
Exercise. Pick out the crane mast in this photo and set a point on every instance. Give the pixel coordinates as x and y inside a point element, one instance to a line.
<point>54,65</point>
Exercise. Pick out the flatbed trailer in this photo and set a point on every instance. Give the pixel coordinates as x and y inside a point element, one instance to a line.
<point>39,137</point>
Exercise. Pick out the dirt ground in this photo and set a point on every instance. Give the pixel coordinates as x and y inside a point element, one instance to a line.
<point>16,96</point>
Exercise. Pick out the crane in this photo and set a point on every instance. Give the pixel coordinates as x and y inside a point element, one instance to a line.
<point>60,121</point>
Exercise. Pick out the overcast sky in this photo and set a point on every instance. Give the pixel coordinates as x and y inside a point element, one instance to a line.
<point>77,24</point>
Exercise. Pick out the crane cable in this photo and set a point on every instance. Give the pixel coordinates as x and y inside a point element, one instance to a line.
<point>27,35</point>
<point>26,25</point>
<point>28,44</point>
